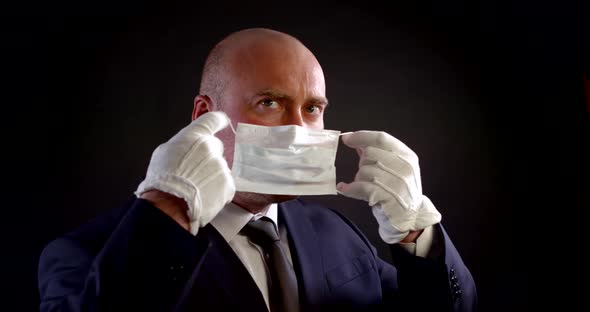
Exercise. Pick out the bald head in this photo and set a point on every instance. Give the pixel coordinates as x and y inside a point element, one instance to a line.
<point>243,48</point>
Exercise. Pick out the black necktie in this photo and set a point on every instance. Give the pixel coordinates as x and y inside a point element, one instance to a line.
<point>284,296</point>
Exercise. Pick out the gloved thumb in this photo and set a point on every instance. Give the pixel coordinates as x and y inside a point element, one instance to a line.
<point>360,139</point>
<point>210,123</point>
<point>357,190</point>
<point>379,139</point>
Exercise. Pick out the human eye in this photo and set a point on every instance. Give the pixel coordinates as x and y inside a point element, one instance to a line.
<point>313,109</point>
<point>270,103</point>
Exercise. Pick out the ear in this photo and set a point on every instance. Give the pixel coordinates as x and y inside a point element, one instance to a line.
<point>202,105</point>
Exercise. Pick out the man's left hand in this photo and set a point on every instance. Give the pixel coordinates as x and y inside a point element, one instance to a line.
<point>389,180</point>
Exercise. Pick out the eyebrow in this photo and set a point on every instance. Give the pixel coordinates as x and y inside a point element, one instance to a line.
<point>275,94</point>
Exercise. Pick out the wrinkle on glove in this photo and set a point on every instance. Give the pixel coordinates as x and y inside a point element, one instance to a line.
<point>191,166</point>
<point>391,235</point>
<point>389,180</point>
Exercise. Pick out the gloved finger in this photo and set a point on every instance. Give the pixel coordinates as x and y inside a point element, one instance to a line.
<point>378,139</point>
<point>396,186</point>
<point>213,145</point>
<point>207,161</point>
<point>406,165</point>
<point>209,123</point>
<point>395,164</point>
<point>216,181</point>
<point>361,190</point>
<point>359,151</point>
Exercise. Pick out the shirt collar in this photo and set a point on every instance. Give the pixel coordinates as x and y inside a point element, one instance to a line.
<point>232,218</point>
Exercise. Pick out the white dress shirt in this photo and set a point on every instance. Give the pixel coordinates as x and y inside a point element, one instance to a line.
<point>229,222</point>
<point>232,218</point>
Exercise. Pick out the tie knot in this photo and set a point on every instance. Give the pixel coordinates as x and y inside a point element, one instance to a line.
<point>262,232</point>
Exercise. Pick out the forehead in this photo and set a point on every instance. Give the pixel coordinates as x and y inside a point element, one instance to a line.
<point>286,67</point>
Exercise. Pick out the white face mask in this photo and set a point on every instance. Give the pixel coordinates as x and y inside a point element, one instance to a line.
<point>289,160</point>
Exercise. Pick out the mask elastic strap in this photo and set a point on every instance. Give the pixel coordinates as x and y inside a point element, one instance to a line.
<point>231,126</point>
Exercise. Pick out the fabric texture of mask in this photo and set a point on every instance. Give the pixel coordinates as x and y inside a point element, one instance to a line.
<point>287,160</point>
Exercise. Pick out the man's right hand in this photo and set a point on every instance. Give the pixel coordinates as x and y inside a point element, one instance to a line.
<point>191,166</point>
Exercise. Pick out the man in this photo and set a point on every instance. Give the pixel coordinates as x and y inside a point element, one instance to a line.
<point>182,244</point>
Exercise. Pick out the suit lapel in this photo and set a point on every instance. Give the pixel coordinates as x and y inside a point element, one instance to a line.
<point>305,247</point>
<point>220,279</point>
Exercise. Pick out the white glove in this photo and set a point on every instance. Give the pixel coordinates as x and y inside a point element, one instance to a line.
<point>389,179</point>
<point>191,166</point>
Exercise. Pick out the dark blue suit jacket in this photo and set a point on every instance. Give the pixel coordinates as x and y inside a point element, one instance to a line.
<point>138,259</point>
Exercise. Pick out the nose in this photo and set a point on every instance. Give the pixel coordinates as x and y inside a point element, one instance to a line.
<point>294,117</point>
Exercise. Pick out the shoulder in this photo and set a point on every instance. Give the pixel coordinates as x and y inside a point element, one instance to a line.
<point>69,256</point>
<point>88,238</point>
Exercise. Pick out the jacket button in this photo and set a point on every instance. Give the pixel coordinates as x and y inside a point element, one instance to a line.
<point>175,272</point>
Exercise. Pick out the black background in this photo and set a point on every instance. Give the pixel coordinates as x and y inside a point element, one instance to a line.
<point>489,96</point>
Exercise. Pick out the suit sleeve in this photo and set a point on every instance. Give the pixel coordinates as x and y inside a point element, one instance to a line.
<point>438,283</point>
<point>142,264</point>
